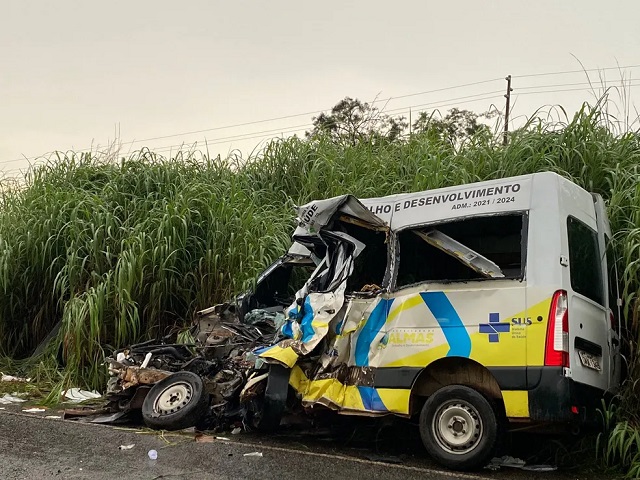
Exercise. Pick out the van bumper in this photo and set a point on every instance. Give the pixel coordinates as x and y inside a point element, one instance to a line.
<point>555,398</point>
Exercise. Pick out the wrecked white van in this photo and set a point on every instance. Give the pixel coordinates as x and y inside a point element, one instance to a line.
<point>470,306</point>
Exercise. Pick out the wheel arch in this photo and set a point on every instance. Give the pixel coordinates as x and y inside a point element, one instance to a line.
<point>454,371</point>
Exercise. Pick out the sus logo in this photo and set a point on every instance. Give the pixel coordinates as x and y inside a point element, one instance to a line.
<point>494,328</point>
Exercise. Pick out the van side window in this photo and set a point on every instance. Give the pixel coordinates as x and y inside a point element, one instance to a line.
<point>584,260</point>
<point>497,238</point>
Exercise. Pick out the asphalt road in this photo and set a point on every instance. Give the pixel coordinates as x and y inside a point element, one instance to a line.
<point>34,447</point>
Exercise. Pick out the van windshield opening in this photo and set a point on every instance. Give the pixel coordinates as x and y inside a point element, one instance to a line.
<point>280,286</point>
<point>470,249</point>
<point>370,266</point>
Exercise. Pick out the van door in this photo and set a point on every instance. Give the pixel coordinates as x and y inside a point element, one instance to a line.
<point>589,354</point>
<point>615,316</point>
<point>610,279</point>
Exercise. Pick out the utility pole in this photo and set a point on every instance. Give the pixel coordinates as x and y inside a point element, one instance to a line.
<point>506,111</point>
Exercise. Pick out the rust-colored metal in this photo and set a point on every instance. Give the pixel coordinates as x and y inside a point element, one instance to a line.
<point>83,412</point>
<point>133,376</point>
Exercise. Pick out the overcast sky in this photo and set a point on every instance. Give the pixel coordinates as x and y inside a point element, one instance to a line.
<point>77,74</point>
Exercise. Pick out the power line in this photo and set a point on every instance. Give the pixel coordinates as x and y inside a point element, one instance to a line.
<point>431,105</point>
<point>437,90</point>
<point>491,97</point>
<point>207,142</point>
<point>296,128</point>
<point>213,141</point>
<point>575,71</point>
<point>448,101</point>
<point>464,85</point>
<point>285,117</point>
<point>568,90</point>
<point>586,84</point>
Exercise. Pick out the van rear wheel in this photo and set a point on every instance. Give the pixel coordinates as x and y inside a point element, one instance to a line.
<point>459,427</point>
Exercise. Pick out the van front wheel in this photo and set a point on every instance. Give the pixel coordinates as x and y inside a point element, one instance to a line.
<point>459,427</point>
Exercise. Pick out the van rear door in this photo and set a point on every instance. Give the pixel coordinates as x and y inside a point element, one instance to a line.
<point>589,355</point>
<point>610,279</point>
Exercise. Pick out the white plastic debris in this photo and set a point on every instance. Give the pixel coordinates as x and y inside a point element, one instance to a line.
<point>53,416</point>
<point>2,408</point>
<point>33,410</point>
<point>8,399</point>
<point>153,455</point>
<point>253,454</point>
<point>75,395</point>
<point>11,378</point>
<point>120,357</point>
<point>127,447</point>
<point>223,438</point>
<point>236,431</point>
<point>147,359</point>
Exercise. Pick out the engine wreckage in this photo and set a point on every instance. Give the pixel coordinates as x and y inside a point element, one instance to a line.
<point>278,345</point>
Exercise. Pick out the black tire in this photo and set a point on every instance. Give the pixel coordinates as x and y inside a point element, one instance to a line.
<point>459,428</point>
<point>275,398</point>
<point>265,411</point>
<point>176,402</point>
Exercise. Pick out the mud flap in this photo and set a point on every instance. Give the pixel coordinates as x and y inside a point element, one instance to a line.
<point>275,397</point>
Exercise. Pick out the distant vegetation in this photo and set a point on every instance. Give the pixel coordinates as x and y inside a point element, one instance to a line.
<point>120,250</point>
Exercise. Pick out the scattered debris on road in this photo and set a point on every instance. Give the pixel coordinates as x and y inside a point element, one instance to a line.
<point>76,395</point>
<point>126,447</point>
<point>34,410</point>
<point>512,462</point>
<point>11,378</point>
<point>9,399</point>
<point>202,438</point>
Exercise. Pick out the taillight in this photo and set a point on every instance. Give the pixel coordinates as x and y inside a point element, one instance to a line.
<point>557,346</point>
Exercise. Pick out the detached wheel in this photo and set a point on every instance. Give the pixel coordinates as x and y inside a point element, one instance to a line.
<point>175,402</point>
<point>459,428</point>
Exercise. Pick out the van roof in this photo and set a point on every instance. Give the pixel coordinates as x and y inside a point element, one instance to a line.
<point>510,194</point>
<point>480,198</point>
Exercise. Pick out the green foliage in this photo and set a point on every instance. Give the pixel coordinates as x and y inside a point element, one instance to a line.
<point>351,121</point>
<point>455,127</point>
<point>119,252</point>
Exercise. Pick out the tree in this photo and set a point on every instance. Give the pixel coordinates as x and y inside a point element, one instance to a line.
<point>456,126</point>
<point>352,121</point>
